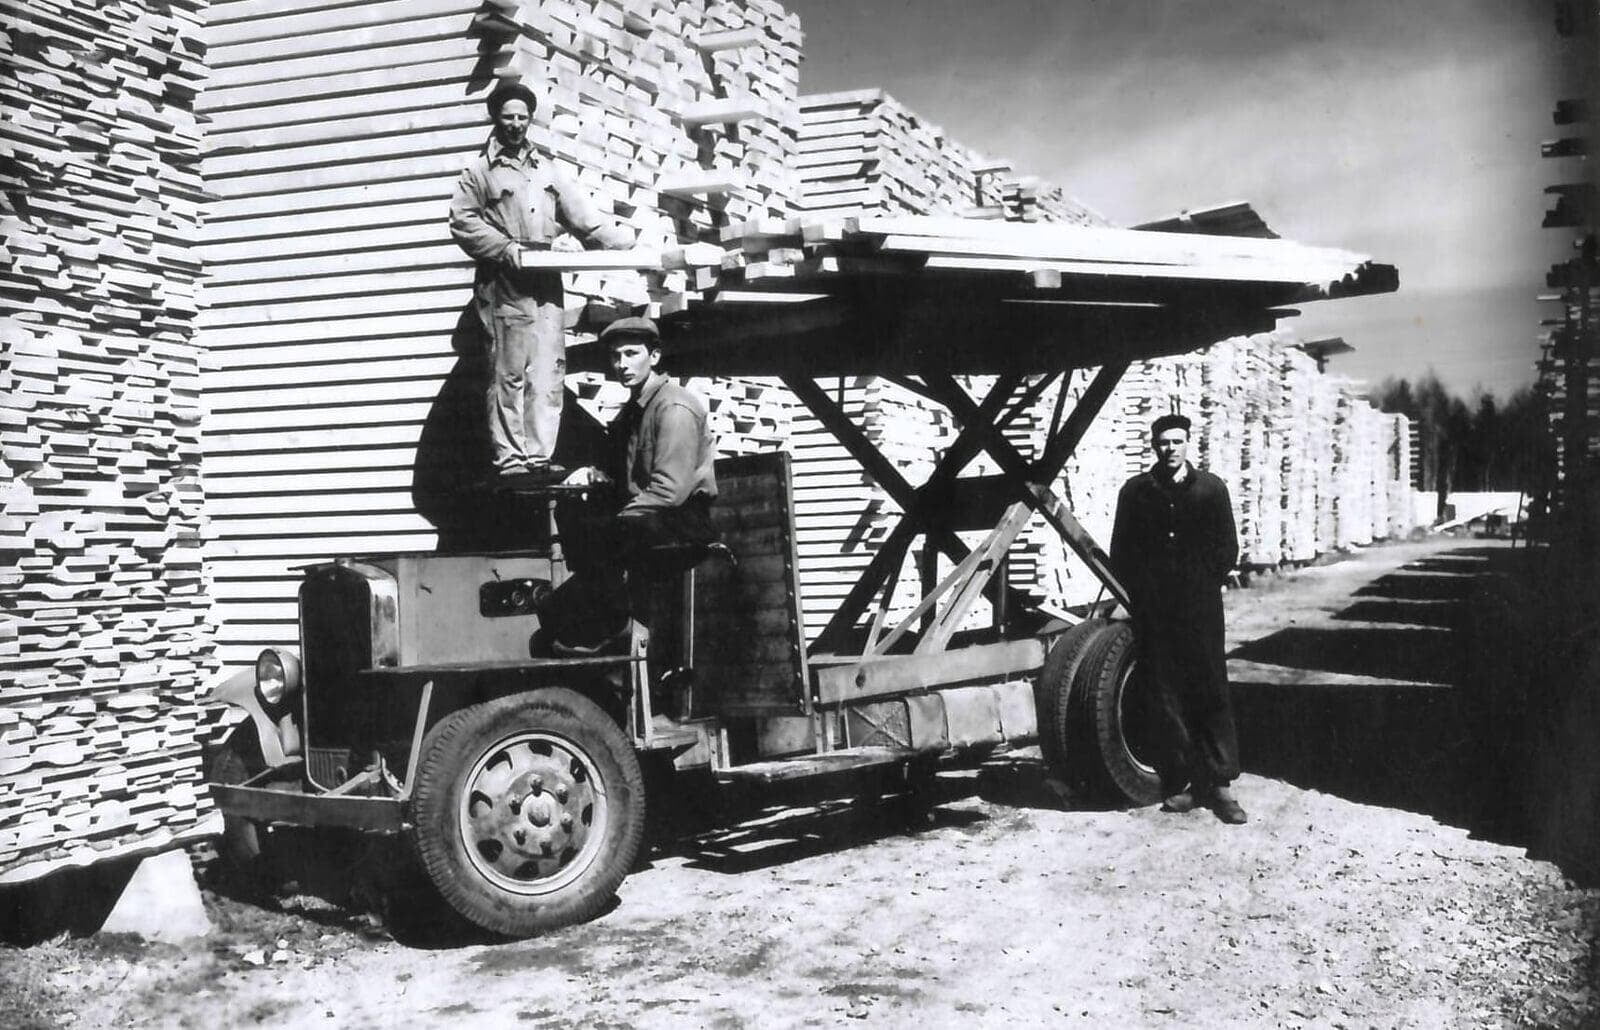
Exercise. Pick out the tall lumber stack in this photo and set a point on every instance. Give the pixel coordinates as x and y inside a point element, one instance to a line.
<point>344,386</point>
<point>104,635</point>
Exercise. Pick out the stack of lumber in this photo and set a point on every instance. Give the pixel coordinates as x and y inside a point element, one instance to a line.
<point>1397,486</point>
<point>1310,465</point>
<point>841,515</point>
<point>335,293</point>
<point>1297,372</point>
<point>104,635</point>
<point>1029,200</point>
<point>863,151</point>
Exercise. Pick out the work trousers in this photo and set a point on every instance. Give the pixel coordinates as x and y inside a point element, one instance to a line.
<point>527,374</point>
<point>1186,678</point>
<point>619,562</point>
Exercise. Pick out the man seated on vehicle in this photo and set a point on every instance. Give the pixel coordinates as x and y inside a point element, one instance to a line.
<point>658,485</point>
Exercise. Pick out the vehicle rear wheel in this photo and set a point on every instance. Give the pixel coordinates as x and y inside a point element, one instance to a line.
<point>1054,696</point>
<point>1120,719</point>
<point>529,810</point>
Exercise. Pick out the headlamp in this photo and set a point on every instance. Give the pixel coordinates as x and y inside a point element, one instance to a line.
<point>277,675</point>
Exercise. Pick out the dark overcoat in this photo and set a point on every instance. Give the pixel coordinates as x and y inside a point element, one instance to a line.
<point>1172,547</point>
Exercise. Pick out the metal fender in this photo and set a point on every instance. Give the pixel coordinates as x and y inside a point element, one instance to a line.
<point>238,690</point>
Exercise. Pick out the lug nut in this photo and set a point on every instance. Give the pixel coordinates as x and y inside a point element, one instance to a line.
<point>566,821</point>
<point>520,837</point>
<point>536,783</point>
<point>562,793</point>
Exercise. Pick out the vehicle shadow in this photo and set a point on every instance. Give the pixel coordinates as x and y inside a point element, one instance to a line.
<point>1368,708</point>
<point>739,830</point>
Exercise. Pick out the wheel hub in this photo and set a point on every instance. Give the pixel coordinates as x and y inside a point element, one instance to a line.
<point>532,813</point>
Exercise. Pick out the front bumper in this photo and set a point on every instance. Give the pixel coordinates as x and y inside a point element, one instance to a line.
<point>290,802</point>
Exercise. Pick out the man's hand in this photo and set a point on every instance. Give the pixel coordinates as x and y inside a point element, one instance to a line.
<point>586,476</point>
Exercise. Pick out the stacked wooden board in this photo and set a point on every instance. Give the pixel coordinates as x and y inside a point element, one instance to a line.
<point>104,605</point>
<point>335,292</point>
<point>863,151</point>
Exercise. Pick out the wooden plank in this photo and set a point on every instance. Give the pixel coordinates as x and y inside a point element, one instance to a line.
<point>728,39</point>
<point>290,24</point>
<point>885,675</point>
<point>721,111</point>
<point>340,42</point>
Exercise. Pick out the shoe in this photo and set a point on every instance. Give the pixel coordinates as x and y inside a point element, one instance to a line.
<point>546,472</point>
<point>1183,801</point>
<point>533,476</point>
<point>1227,807</point>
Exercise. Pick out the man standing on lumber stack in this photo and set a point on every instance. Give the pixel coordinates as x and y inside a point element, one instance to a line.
<point>1172,546</point>
<point>506,202</point>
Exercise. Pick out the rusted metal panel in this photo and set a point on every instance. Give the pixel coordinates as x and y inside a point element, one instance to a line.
<point>878,724</point>
<point>927,725</point>
<point>1019,713</point>
<point>972,715</point>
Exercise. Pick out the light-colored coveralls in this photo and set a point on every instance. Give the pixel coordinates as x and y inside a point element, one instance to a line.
<point>505,200</point>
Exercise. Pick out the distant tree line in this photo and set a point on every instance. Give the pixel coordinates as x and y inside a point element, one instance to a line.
<point>1477,444</point>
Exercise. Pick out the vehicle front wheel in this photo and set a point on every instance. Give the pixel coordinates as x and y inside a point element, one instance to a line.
<point>232,762</point>
<point>529,810</point>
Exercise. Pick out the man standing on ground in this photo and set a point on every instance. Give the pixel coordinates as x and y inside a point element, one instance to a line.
<point>661,478</point>
<point>1172,547</point>
<point>504,202</point>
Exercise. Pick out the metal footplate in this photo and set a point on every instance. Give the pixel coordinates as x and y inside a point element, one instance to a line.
<point>845,760</point>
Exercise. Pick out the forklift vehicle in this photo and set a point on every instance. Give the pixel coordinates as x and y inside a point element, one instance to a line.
<point>417,705</point>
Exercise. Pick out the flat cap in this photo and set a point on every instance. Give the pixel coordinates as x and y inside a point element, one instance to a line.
<point>633,325</point>
<point>1172,420</point>
<point>510,91</point>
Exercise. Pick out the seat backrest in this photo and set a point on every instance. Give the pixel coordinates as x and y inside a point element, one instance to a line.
<point>749,650</point>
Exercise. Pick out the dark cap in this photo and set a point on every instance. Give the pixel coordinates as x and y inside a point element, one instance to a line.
<point>1169,421</point>
<point>633,325</point>
<point>510,91</point>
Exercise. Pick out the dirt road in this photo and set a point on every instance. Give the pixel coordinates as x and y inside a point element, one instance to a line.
<point>1004,909</point>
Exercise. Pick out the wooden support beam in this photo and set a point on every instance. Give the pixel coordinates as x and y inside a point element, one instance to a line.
<point>900,674</point>
<point>990,557</point>
<point>1032,483</point>
<point>1062,443</point>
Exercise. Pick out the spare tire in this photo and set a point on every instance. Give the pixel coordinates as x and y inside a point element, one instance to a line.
<point>1054,697</point>
<point>1119,721</point>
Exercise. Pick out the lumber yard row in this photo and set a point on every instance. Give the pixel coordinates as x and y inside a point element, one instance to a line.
<point>322,383</point>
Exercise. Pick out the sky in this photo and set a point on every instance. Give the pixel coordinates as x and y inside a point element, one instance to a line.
<point>1408,132</point>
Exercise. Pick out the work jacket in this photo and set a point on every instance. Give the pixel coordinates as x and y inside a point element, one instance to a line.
<point>663,449</point>
<point>509,199</point>
<point>1174,543</point>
